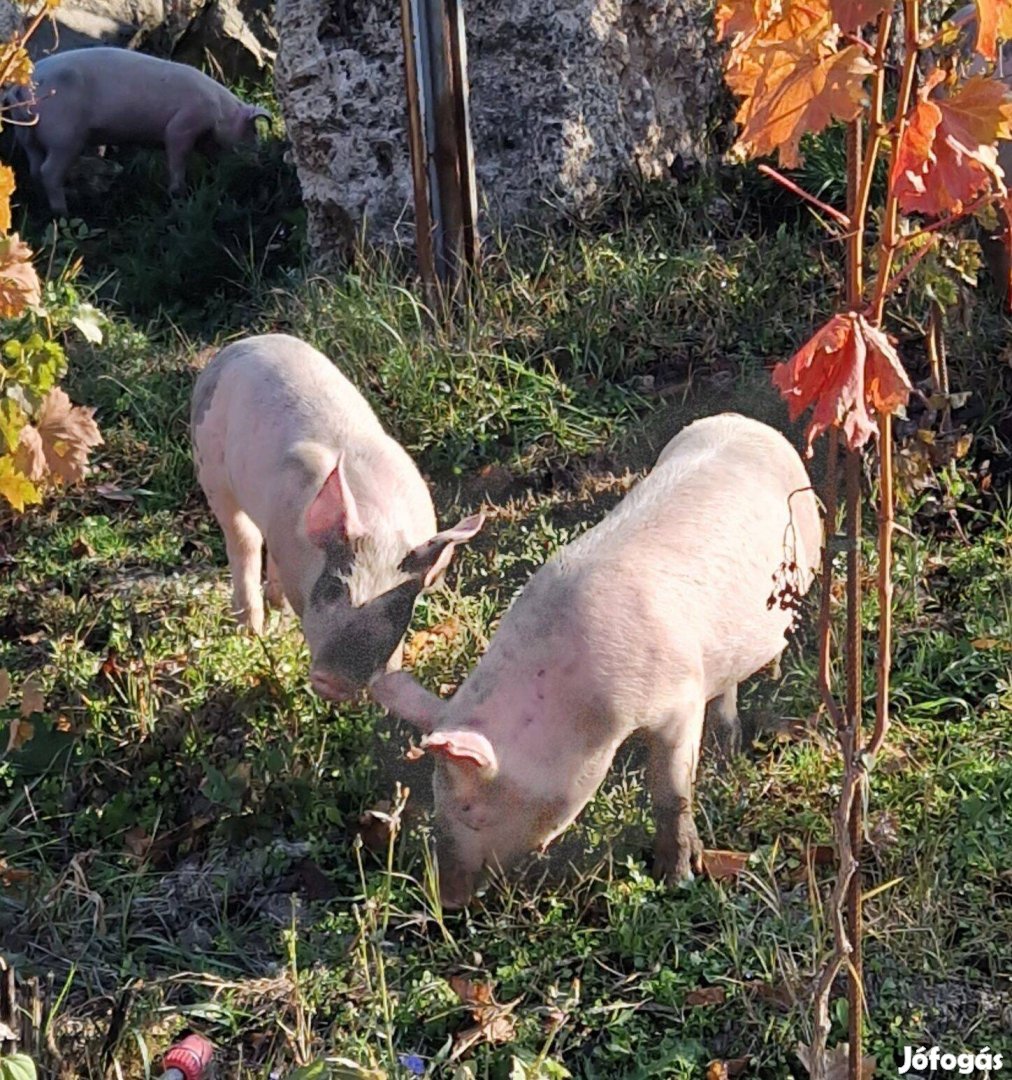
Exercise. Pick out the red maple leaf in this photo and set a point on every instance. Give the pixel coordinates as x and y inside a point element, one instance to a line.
<point>846,369</point>
<point>947,153</point>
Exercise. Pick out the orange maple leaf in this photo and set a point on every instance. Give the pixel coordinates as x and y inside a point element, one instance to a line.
<point>947,153</point>
<point>994,21</point>
<point>794,84</point>
<point>851,15</point>
<point>19,284</point>
<point>741,16</point>
<point>845,369</point>
<point>6,190</point>
<point>61,440</point>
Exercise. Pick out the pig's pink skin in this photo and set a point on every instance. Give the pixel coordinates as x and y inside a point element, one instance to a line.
<point>270,419</point>
<point>99,96</point>
<point>637,625</point>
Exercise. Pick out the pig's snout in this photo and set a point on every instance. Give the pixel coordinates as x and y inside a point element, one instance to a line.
<point>456,887</point>
<point>332,687</point>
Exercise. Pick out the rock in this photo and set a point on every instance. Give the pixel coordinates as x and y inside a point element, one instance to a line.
<point>236,36</point>
<point>565,99</point>
<point>77,24</point>
<point>233,38</point>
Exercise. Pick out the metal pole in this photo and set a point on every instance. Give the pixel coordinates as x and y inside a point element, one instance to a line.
<point>442,157</point>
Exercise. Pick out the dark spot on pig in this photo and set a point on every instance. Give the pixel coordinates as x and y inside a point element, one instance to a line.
<point>367,641</point>
<point>541,673</point>
<point>331,586</point>
<point>203,391</point>
<point>528,719</point>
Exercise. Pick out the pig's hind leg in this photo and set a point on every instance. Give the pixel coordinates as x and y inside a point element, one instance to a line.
<point>244,546</point>
<point>723,725</point>
<point>671,773</point>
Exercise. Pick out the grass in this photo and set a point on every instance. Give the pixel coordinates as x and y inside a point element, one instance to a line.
<point>180,835</point>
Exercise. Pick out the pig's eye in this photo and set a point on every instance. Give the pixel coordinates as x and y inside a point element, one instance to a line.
<point>465,807</point>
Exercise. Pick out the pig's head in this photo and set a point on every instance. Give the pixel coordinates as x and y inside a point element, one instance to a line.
<point>358,608</point>
<point>483,817</point>
<point>240,126</point>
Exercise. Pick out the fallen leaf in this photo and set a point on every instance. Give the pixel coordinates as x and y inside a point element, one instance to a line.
<point>137,841</point>
<point>81,549</point>
<point>994,21</point>
<point>109,668</point>
<point>495,1022</point>
<point>19,284</point>
<point>724,1070</point>
<point>19,733</point>
<point>421,640</point>
<point>706,995</point>
<point>947,153</point>
<point>414,753</point>
<point>5,686</point>
<point>471,993</point>
<point>845,369</point>
<point>68,435</point>
<point>837,1064</point>
<point>779,995</point>
<point>724,865</point>
<point>377,827</point>
<point>113,493</point>
<point>10,875</point>
<point>32,698</point>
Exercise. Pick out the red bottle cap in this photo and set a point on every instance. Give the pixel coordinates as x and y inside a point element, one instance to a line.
<point>191,1056</point>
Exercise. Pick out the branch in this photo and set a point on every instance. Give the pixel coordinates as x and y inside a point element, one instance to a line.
<point>836,215</point>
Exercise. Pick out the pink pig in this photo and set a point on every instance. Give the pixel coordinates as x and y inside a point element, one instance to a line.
<point>99,96</point>
<point>289,452</point>
<point>635,626</point>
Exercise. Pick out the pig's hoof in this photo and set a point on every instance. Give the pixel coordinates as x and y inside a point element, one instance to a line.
<point>678,855</point>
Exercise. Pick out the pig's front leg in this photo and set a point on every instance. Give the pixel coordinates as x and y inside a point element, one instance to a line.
<point>674,754</point>
<point>53,173</point>
<point>181,136</point>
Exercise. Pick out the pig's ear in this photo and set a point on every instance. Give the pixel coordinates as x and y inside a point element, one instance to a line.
<point>430,559</point>
<point>253,113</point>
<point>401,694</point>
<point>464,746</point>
<point>333,514</point>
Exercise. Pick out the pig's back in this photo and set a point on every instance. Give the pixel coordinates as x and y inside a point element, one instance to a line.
<point>685,566</point>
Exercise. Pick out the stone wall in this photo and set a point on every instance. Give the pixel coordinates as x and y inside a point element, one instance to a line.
<point>566,96</point>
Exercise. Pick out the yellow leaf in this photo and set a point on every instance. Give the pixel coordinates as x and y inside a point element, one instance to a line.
<point>15,487</point>
<point>6,191</point>
<point>16,65</point>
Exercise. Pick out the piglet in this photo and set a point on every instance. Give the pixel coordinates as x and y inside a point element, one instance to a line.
<point>289,452</point>
<point>664,606</point>
<point>98,96</point>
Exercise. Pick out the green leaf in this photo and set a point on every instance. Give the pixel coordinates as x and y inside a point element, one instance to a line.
<point>17,1067</point>
<point>89,320</point>
<point>12,420</point>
